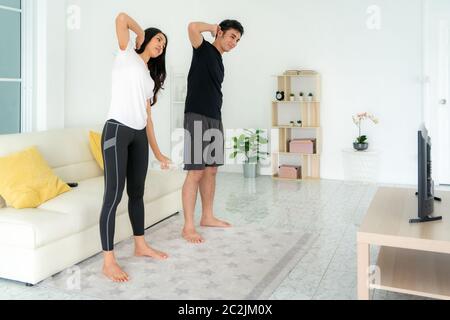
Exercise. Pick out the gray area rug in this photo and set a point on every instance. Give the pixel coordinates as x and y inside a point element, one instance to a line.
<point>242,263</point>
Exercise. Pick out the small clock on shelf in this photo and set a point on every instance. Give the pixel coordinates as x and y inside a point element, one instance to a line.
<point>280,95</point>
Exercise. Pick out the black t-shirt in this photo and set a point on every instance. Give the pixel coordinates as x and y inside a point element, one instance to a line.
<point>204,94</point>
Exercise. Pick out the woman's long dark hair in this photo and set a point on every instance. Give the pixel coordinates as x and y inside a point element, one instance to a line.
<point>156,66</point>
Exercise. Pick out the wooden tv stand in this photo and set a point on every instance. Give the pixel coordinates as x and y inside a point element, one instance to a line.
<point>414,258</point>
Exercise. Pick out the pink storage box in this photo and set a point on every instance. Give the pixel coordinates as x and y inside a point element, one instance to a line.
<point>290,172</point>
<point>302,146</point>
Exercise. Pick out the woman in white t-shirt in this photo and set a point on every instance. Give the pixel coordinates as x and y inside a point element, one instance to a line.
<point>137,77</point>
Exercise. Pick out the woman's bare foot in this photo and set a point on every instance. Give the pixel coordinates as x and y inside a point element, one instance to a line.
<point>115,273</point>
<point>190,235</point>
<point>213,222</point>
<point>147,251</point>
<point>142,249</point>
<point>111,269</point>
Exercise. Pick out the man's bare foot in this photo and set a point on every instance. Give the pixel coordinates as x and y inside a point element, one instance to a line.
<point>190,235</point>
<point>150,252</point>
<point>115,273</point>
<point>214,223</point>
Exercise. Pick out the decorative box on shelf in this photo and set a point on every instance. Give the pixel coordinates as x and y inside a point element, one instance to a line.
<point>307,146</point>
<point>290,172</point>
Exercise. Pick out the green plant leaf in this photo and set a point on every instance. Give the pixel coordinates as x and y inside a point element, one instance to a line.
<point>263,141</point>
<point>234,155</point>
<point>361,139</point>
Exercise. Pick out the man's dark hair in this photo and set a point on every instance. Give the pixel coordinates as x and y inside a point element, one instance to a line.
<point>232,24</point>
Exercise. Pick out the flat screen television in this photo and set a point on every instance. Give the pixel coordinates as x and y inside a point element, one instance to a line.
<point>425,194</point>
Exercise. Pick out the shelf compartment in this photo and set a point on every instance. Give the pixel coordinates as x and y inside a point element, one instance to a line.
<point>310,166</point>
<point>287,134</point>
<point>400,270</point>
<point>307,112</point>
<point>297,84</point>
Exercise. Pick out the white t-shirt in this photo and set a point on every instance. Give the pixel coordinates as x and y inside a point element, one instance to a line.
<point>132,87</point>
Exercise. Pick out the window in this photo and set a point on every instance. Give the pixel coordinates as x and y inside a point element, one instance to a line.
<point>10,66</point>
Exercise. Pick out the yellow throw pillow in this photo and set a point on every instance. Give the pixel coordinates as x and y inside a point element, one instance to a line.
<point>95,142</point>
<point>26,180</point>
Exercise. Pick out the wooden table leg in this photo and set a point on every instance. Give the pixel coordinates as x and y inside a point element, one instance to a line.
<point>363,260</point>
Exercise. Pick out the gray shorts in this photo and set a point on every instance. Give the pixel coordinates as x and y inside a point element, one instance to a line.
<point>204,142</point>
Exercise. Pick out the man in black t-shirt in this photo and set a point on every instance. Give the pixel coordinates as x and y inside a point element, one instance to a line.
<point>204,147</point>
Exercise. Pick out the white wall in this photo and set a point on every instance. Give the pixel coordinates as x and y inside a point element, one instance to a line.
<point>49,65</point>
<point>363,70</point>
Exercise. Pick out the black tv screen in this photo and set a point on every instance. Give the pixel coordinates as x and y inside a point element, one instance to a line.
<point>425,183</point>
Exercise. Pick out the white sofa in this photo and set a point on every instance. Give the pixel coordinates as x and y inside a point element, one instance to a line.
<point>38,243</point>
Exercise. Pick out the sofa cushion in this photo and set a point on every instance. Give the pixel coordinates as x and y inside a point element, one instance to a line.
<point>74,211</point>
<point>66,151</point>
<point>32,228</point>
<point>160,183</point>
<point>84,203</point>
<point>81,205</point>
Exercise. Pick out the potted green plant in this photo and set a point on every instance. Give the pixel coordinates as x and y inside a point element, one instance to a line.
<point>292,97</point>
<point>301,97</point>
<point>249,144</point>
<point>361,143</point>
<point>310,97</point>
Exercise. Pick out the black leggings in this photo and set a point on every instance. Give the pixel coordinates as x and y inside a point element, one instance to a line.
<point>125,156</point>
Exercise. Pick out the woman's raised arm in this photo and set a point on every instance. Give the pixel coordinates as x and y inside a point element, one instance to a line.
<point>124,23</point>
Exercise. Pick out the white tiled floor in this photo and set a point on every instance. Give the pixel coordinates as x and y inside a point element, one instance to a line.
<point>331,210</point>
